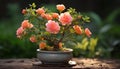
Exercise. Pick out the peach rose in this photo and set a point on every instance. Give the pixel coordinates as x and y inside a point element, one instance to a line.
<point>30,25</point>
<point>33,39</point>
<point>19,32</point>
<point>26,24</point>
<point>60,7</point>
<point>40,11</point>
<point>42,45</point>
<point>87,32</point>
<point>65,18</point>
<point>43,15</point>
<point>48,17</point>
<point>60,45</point>
<point>52,27</point>
<point>24,11</point>
<point>42,38</point>
<point>79,16</point>
<point>77,29</point>
<point>55,15</point>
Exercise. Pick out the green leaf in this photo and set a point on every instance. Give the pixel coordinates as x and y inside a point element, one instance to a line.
<point>85,43</point>
<point>86,18</point>
<point>72,31</point>
<point>93,43</point>
<point>33,5</point>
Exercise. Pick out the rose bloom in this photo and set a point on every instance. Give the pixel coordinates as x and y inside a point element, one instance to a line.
<point>48,17</point>
<point>55,15</point>
<point>19,32</point>
<point>60,45</point>
<point>79,17</point>
<point>60,7</point>
<point>40,11</point>
<point>52,27</point>
<point>77,29</point>
<point>43,15</point>
<point>24,11</point>
<point>30,25</point>
<point>42,45</point>
<point>65,18</point>
<point>87,32</point>
<point>33,39</point>
<point>26,24</point>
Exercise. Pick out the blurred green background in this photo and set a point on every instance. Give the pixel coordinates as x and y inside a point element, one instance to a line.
<point>105,26</point>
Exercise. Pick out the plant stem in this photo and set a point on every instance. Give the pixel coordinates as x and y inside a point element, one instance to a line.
<point>63,34</point>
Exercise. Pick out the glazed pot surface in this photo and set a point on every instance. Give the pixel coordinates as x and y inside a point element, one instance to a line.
<point>54,57</point>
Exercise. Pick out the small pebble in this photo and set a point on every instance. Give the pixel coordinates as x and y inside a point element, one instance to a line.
<point>92,64</point>
<point>72,62</point>
<point>36,63</point>
<point>99,64</point>
<point>82,63</point>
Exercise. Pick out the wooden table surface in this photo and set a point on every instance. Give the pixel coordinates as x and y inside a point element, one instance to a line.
<point>82,63</point>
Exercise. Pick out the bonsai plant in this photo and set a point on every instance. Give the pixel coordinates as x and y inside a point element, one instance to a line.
<point>51,30</point>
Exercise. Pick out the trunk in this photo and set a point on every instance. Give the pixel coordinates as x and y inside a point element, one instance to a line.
<point>56,47</point>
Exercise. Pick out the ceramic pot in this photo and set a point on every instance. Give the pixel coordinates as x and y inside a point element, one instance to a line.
<point>54,57</point>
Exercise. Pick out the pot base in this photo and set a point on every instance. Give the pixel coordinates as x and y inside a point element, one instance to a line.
<point>70,63</point>
<point>54,63</point>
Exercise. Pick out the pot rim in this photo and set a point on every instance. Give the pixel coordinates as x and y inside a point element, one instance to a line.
<point>68,50</point>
